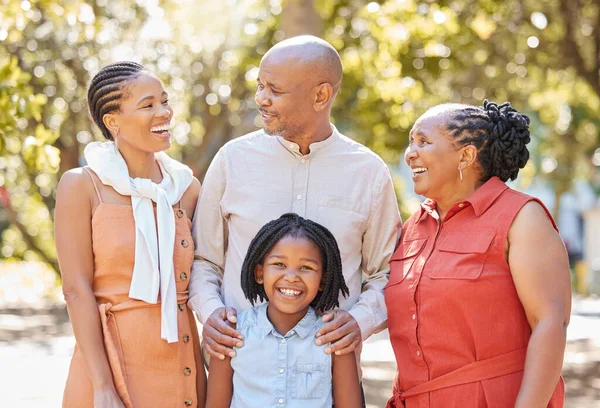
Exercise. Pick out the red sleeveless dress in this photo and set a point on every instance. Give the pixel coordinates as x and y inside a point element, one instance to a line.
<point>457,326</point>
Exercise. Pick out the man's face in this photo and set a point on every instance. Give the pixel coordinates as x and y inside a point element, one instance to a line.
<point>284,96</point>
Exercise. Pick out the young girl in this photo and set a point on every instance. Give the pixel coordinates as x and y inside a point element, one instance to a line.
<point>295,265</point>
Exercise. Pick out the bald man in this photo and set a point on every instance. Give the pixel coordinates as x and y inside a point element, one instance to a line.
<point>299,163</point>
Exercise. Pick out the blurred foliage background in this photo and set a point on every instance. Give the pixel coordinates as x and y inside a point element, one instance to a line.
<point>400,58</point>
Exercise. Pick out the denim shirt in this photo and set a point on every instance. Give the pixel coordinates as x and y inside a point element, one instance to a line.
<point>277,371</point>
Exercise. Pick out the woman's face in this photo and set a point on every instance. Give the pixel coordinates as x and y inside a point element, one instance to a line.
<point>145,115</point>
<point>432,157</point>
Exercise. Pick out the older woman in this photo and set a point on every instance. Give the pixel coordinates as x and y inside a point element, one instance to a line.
<point>125,248</point>
<point>479,293</point>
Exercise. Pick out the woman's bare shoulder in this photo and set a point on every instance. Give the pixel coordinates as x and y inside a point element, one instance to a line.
<point>75,183</point>
<point>190,197</point>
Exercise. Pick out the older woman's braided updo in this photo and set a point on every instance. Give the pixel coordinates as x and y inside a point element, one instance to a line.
<point>499,132</point>
<point>108,88</point>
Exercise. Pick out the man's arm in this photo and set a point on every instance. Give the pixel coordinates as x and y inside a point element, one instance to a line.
<point>379,242</point>
<point>209,231</point>
<point>346,330</point>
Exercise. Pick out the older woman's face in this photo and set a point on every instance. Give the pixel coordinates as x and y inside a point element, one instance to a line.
<point>432,157</point>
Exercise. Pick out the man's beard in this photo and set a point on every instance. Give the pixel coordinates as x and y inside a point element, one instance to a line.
<point>285,131</point>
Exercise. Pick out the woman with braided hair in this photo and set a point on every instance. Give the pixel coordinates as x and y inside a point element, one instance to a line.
<point>124,244</point>
<point>479,293</point>
<point>293,264</point>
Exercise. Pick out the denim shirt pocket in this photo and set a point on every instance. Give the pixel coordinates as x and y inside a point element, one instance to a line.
<point>309,381</point>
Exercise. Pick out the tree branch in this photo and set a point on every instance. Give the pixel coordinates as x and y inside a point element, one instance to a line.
<point>571,48</point>
<point>31,244</point>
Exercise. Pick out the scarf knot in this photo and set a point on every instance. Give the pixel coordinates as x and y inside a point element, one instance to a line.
<point>153,269</point>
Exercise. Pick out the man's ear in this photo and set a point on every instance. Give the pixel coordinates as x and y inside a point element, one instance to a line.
<point>258,274</point>
<point>323,96</point>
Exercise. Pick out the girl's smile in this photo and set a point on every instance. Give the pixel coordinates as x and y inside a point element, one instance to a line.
<point>291,275</point>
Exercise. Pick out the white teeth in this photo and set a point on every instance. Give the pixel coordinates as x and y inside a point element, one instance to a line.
<point>418,170</point>
<point>290,292</point>
<point>159,128</point>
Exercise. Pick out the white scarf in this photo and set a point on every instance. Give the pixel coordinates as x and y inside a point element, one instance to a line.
<point>153,266</point>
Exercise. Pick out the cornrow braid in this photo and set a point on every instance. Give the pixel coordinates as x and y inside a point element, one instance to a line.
<point>293,225</point>
<point>499,132</point>
<point>108,88</point>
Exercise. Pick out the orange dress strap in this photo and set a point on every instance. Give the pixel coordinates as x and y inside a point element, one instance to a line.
<point>89,172</point>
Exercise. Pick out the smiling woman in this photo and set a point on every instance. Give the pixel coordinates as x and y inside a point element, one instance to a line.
<point>123,239</point>
<point>479,293</point>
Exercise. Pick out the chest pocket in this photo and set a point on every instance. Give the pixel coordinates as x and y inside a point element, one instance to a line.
<point>461,255</point>
<point>309,381</point>
<point>403,259</point>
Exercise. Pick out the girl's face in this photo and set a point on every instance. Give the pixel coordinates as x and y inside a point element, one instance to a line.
<point>291,275</point>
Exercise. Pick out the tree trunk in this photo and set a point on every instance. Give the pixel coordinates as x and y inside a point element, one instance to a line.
<point>300,17</point>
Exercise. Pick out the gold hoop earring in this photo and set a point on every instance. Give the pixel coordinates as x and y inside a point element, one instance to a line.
<point>460,173</point>
<point>116,142</point>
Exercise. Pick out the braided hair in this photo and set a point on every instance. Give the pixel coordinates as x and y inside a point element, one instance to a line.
<point>499,132</point>
<point>108,88</point>
<point>292,225</point>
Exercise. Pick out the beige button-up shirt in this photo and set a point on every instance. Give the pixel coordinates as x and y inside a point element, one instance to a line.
<point>340,184</point>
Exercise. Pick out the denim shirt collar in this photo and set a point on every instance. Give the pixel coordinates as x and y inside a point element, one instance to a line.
<point>302,329</point>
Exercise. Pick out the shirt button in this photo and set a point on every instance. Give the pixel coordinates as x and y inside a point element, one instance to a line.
<point>303,161</point>
<point>283,340</point>
<point>179,213</point>
<point>186,338</point>
<point>188,402</point>
<point>461,205</point>
<point>414,316</point>
<point>181,307</point>
<point>299,197</point>
<point>184,243</point>
<point>187,371</point>
<point>183,276</point>
<point>280,400</point>
<point>418,353</point>
<point>281,370</point>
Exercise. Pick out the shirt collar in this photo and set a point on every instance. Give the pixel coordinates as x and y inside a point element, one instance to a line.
<point>485,195</point>
<point>295,149</point>
<point>480,200</point>
<point>303,329</point>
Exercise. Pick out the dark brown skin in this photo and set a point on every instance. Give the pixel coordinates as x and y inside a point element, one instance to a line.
<point>296,86</point>
<point>534,251</point>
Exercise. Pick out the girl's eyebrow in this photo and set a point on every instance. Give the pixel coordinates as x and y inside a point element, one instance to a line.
<point>277,256</point>
<point>309,260</point>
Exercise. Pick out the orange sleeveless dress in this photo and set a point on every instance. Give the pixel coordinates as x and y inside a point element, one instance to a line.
<point>147,371</point>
